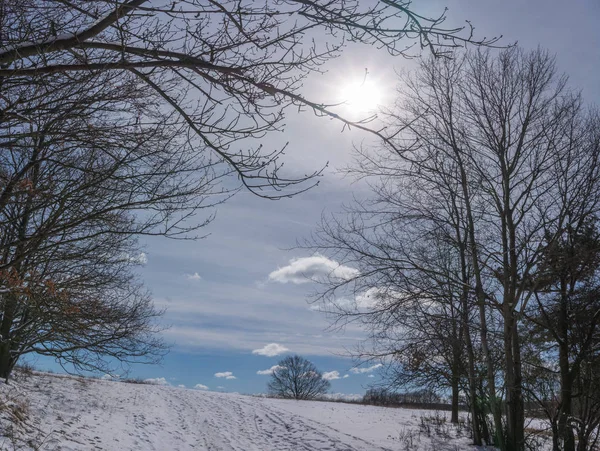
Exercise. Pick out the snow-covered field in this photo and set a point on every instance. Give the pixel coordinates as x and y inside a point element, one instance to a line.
<point>66,413</point>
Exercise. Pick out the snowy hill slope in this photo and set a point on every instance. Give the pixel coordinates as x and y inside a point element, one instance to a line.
<point>66,413</point>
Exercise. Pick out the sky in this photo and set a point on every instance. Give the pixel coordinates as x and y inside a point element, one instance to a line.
<point>236,303</point>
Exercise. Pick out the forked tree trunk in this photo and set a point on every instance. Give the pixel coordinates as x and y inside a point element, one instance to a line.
<point>472,376</point>
<point>480,294</point>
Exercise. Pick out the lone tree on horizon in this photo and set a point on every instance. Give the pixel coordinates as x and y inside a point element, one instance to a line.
<point>297,378</point>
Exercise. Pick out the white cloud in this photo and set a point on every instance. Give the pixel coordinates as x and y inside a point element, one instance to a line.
<point>371,298</point>
<point>271,350</point>
<point>378,296</point>
<point>226,375</point>
<point>310,374</point>
<point>194,276</point>
<point>200,387</point>
<point>157,381</point>
<point>306,269</point>
<point>346,376</point>
<point>140,259</point>
<point>366,370</point>
<point>220,387</point>
<point>243,339</point>
<point>181,386</point>
<point>270,370</point>
<point>331,375</point>
<point>370,375</point>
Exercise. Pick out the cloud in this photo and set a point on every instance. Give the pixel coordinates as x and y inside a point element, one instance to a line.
<point>346,376</point>
<point>297,328</point>
<point>270,370</point>
<point>368,299</point>
<point>181,386</point>
<point>140,259</point>
<point>200,387</point>
<point>310,374</point>
<point>271,350</point>
<point>194,276</point>
<point>370,375</point>
<point>226,375</point>
<point>366,370</point>
<point>307,269</point>
<point>156,381</point>
<point>378,297</point>
<point>331,375</point>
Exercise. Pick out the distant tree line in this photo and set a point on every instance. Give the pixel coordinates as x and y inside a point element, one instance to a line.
<point>389,398</point>
<point>479,248</point>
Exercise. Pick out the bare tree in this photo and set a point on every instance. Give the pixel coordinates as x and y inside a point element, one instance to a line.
<point>413,291</point>
<point>488,156</point>
<point>297,378</point>
<point>85,169</point>
<point>507,122</point>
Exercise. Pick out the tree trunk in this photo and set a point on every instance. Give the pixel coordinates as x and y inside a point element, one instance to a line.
<point>515,418</point>
<point>455,393</point>
<point>491,379</point>
<point>519,404</point>
<point>515,415</point>
<point>480,295</point>
<point>582,444</point>
<point>6,363</point>
<point>6,360</point>
<point>473,379</point>
<point>472,375</point>
<point>11,300</point>
<point>554,427</point>
<point>564,430</point>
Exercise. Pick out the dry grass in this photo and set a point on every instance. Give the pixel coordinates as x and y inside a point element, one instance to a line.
<point>17,431</point>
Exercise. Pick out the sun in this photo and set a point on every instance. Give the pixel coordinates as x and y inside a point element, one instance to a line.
<point>361,96</point>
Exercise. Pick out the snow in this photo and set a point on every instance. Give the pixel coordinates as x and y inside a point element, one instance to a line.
<point>69,413</point>
<point>38,43</point>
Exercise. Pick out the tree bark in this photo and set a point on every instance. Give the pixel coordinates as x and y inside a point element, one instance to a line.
<point>455,392</point>
<point>515,418</point>
<point>564,431</point>
<point>471,373</point>
<point>480,294</point>
<point>4,359</point>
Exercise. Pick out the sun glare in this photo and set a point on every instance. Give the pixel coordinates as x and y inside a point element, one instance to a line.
<point>362,96</point>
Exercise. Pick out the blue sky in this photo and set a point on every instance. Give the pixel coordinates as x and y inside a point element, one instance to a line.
<point>221,303</point>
